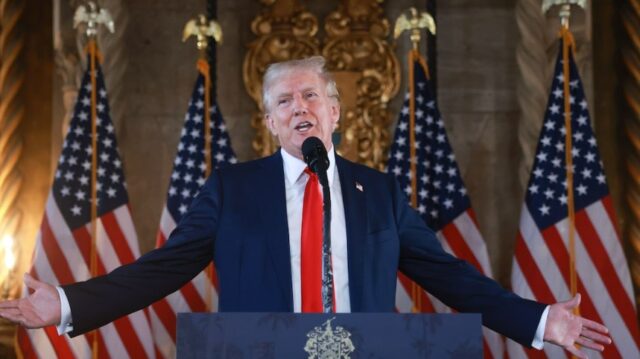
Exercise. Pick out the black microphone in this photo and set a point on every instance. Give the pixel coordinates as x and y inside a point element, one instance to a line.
<point>315,155</point>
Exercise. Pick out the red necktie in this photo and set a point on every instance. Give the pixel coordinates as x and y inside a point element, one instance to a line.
<point>311,246</point>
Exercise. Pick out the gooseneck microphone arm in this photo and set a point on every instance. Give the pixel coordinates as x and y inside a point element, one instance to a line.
<point>315,155</point>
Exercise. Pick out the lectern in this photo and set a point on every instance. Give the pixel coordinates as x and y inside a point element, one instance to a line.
<point>340,336</point>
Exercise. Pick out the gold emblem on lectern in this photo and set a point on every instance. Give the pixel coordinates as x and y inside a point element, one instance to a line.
<point>325,343</point>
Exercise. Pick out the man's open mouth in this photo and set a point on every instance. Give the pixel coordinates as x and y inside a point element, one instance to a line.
<point>303,126</point>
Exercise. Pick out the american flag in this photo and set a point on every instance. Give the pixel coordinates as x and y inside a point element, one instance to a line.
<point>187,177</point>
<point>442,199</point>
<point>541,263</point>
<point>63,246</point>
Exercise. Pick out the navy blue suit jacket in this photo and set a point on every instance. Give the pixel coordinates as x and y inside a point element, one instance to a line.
<point>239,220</point>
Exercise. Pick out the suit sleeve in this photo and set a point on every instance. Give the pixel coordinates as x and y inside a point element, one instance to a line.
<point>457,283</point>
<point>158,273</point>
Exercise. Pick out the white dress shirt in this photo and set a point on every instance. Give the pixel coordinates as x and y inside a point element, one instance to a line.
<point>295,181</point>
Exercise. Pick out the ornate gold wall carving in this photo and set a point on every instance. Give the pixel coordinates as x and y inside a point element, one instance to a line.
<point>358,53</point>
<point>355,46</point>
<point>11,112</point>
<point>285,31</point>
<point>631,87</point>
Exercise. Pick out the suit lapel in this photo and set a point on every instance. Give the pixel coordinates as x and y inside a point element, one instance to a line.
<point>355,214</point>
<point>273,206</point>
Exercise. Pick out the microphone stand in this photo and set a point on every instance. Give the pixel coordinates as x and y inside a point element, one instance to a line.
<point>327,268</point>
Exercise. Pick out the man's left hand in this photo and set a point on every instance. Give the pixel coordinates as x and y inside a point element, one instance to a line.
<point>567,329</point>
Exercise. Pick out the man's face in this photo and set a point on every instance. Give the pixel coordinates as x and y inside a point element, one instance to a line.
<point>300,108</point>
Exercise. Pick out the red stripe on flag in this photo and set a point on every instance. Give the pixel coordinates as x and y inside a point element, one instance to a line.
<point>59,343</point>
<point>129,338</point>
<point>55,255</point>
<point>487,351</point>
<point>158,352</point>
<point>531,272</point>
<point>459,246</point>
<point>160,240</point>
<point>167,316</point>
<point>535,353</point>
<point>611,212</point>
<point>24,349</point>
<point>193,298</point>
<point>83,241</point>
<point>118,239</point>
<point>607,272</point>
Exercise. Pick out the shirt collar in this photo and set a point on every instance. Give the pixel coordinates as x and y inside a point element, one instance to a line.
<point>294,167</point>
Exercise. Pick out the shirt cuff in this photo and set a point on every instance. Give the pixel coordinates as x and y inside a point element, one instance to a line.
<point>65,325</point>
<point>538,339</point>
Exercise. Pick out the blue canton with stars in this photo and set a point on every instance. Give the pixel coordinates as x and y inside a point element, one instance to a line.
<point>72,182</point>
<point>189,166</point>
<point>546,196</point>
<point>441,195</point>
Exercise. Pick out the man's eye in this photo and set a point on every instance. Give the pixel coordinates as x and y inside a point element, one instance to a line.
<point>283,101</point>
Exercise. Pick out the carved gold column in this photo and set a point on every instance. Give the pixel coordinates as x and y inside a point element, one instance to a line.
<point>358,54</point>
<point>631,88</point>
<point>11,112</point>
<point>285,31</point>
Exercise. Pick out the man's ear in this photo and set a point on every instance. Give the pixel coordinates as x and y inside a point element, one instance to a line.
<point>335,114</point>
<point>270,125</point>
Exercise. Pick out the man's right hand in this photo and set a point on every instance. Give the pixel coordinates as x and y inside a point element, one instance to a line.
<point>40,309</point>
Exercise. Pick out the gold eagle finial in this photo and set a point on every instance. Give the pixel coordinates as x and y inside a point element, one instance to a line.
<point>565,10</point>
<point>416,21</point>
<point>201,28</point>
<point>93,17</point>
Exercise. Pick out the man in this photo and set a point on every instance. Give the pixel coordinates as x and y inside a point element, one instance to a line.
<point>248,218</point>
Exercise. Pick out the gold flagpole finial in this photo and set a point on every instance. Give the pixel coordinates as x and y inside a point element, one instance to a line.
<point>201,28</point>
<point>417,21</point>
<point>565,10</point>
<point>92,17</point>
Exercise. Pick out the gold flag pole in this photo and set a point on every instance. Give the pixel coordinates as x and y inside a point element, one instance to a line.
<point>201,29</point>
<point>567,45</point>
<point>92,17</point>
<point>415,22</point>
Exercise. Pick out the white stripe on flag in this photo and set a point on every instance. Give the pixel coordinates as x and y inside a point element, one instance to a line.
<point>113,342</point>
<point>40,340</point>
<point>167,224</point>
<point>538,250</point>
<point>163,340</point>
<point>404,304</point>
<point>471,235</point>
<point>66,241</point>
<point>123,217</point>
<point>604,227</point>
<point>140,324</point>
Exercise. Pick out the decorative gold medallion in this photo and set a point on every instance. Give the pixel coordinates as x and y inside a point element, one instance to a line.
<point>328,343</point>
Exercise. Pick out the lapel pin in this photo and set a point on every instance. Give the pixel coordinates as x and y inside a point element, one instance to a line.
<point>359,187</point>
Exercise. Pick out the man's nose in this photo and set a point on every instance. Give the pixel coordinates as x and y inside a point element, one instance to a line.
<point>299,106</point>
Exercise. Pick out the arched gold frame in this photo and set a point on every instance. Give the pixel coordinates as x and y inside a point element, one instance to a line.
<point>355,46</point>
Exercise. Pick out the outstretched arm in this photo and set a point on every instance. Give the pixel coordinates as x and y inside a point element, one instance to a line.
<point>567,329</point>
<point>39,309</point>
